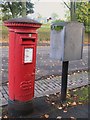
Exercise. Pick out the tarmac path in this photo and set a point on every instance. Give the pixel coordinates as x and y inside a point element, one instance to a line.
<point>45,66</point>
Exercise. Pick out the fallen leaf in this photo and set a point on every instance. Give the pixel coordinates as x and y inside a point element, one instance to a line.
<point>47,95</point>
<point>52,75</point>
<point>80,103</point>
<point>7,83</point>
<point>65,110</point>
<point>68,95</point>
<point>67,91</point>
<point>59,117</point>
<point>5,116</point>
<point>59,107</point>
<point>46,116</point>
<point>74,103</point>
<point>55,93</point>
<point>2,69</point>
<point>53,103</point>
<point>72,118</point>
<point>85,71</point>
<point>63,105</point>
<point>74,73</point>
<point>74,90</point>
<point>69,103</point>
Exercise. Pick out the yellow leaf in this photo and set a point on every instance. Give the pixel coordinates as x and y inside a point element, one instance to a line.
<point>69,103</point>
<point>74,90</point>
<point>72,118</point>
<point>59,107</point>
<point>59,117</point>
<point>53,103</point>
<point>80,103</point>
<point>5,116</point>
<point>74,104</point>
<point>68,95</point>
<point>46,116</point>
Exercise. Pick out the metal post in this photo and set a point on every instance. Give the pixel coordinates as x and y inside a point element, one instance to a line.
<point>64,80</point>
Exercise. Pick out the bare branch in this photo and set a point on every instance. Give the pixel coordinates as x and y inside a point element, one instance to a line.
<point>67,5</point>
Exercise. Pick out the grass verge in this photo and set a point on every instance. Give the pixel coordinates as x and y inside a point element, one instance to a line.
<point>43,34</point>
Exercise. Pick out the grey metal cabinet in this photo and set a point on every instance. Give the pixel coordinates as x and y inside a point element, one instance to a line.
<point>67,44</point>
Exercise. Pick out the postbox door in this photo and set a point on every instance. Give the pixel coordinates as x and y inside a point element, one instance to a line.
<point>25,62</point>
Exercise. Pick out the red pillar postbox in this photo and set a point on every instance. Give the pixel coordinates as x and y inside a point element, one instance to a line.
<point>22,62</point>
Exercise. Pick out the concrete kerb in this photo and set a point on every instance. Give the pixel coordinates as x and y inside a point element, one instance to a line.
<point>69,73</point>
<point>39,44</point>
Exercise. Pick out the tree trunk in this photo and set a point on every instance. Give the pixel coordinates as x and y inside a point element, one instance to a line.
<point>72,11</point>
<point>23,8</point>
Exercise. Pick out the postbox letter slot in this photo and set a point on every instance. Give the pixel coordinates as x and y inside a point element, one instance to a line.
<point>28,41</point>
<point>33,40</point>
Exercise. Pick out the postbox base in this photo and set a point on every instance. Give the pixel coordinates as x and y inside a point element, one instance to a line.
<point>16,108</point>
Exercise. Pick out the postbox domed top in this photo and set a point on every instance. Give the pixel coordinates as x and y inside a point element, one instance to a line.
<point>22,21</point>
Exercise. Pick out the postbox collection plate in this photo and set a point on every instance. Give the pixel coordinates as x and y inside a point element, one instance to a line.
<point>28,55</point>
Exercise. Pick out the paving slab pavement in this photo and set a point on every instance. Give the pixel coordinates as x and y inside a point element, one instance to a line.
<point>51,85</point>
